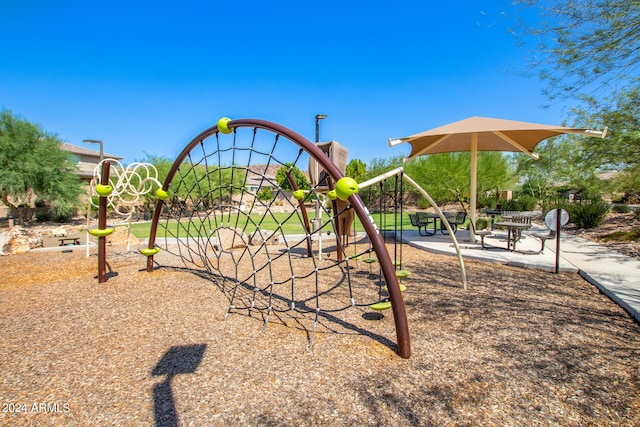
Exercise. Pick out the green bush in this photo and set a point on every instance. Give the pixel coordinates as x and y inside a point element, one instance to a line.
<point>588,213</point>
<point>510,205</point>
<point>555,203</point>
<point>264,194</point>
<point>482,223</point>
<point>527,203</point>
<point>488,202</point>
<point>636,213</point>
<point>621,208</point>
<point>423,203</point>
<point>43,216</point>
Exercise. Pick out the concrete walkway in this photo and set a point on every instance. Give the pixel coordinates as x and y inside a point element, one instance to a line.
<point>616,275</point>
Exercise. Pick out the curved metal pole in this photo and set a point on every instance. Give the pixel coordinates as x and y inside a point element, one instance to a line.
<point>377,243</point>
<point>426,195</point>
<point>444,221</point>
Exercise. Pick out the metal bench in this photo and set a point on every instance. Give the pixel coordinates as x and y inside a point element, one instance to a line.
<point>480,233</point>
<point>454,219</point>
<point>543,238</point>
<point>422,222</point>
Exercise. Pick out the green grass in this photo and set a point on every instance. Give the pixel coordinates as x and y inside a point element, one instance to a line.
<point>292,226</point>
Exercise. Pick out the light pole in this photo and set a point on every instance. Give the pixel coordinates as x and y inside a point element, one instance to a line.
<point>95,141</point>
<point>318,118</point>
<point>317,221</point>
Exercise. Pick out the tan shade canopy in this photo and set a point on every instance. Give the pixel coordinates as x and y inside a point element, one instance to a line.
<point>492,135</point>
<point>485,134</point>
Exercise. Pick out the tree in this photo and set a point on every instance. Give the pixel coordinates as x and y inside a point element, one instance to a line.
<point>33,167</point>
<point>495,173</point>
<point>446,176</point>
<point>162,165</point>
<point>300,179</point>
<point>588,50</point>
<point>356,169</point>
<point>584,46</point>
<point>621,150</point>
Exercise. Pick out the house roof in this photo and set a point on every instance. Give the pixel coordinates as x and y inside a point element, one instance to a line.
<point>86,151</point>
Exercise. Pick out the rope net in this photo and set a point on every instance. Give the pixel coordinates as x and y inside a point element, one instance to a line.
<point>231,213</point>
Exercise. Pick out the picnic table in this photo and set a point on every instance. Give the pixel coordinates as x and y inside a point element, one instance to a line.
<point>514,231</point>
<point>69,241</point>
<point>423,220</point>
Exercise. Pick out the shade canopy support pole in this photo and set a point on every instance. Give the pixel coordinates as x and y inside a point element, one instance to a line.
<point>474,185</point>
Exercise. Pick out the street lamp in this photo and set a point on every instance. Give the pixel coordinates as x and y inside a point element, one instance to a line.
<point>95,141</point>
<point>318,118</point>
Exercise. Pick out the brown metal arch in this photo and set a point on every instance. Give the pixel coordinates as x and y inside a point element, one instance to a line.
<point>377,243</point>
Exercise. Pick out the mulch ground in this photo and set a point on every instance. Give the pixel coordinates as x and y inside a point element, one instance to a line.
<point>518,347</point>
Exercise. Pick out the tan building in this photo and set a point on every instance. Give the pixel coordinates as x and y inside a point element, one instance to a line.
<point>86,159</point>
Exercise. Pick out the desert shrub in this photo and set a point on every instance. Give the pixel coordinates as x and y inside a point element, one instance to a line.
<point>510,205</point>
<point>423,203</point>
<point>621,209</point>
<point>43,216</point>
<point>636,212</point>
<point>482,223</point>
<point>264,194</point>
<point>63,217</point>
<point>527,203</point>
<point>555,203</point>
<point>588,213</point>
<point>488,202</point>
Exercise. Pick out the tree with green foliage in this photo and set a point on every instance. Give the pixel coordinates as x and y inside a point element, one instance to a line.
<point>444,176</point>
<point>356,169</point>
<point>300,178</point>
<point>378,166</point>
<point>162,165</point>
<point>621,150</point>
<point>583,46</point>
<point>447,178</point>
<point>495,173</point>
<point>213,184</point>
<point>33,168</point>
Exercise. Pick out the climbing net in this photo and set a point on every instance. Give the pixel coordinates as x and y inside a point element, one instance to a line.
<point>227,209</point>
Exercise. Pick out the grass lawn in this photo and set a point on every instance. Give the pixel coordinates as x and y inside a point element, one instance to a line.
<point>290,224</point>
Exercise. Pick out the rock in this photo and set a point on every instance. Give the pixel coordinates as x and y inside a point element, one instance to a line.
<point>19,240</point>
<point>268,236</point>
<point>119,237</point>
<point>231,238</point>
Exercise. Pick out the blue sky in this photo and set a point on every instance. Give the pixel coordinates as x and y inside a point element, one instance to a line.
<point>146,77</point>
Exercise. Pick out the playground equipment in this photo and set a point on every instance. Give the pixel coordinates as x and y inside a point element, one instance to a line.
<point>261,252</point>
<point>120,189</point>
<point>400,172</point>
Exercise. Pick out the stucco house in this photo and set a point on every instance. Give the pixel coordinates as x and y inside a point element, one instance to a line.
<point>86,159</point>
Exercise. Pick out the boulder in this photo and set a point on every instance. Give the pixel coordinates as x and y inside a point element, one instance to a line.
<point>19,240</point>
<point>268,236</point>
<point>231,238</point>
<point>119,237</point>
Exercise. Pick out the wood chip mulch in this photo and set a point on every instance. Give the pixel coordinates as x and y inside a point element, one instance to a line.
<point>517,348</point>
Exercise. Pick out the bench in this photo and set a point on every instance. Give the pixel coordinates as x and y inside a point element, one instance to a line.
<point>454,219</point>
<point>480,233</point>
<point>543,238</point>
<point>69,241</point>
<point>422,222</point>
